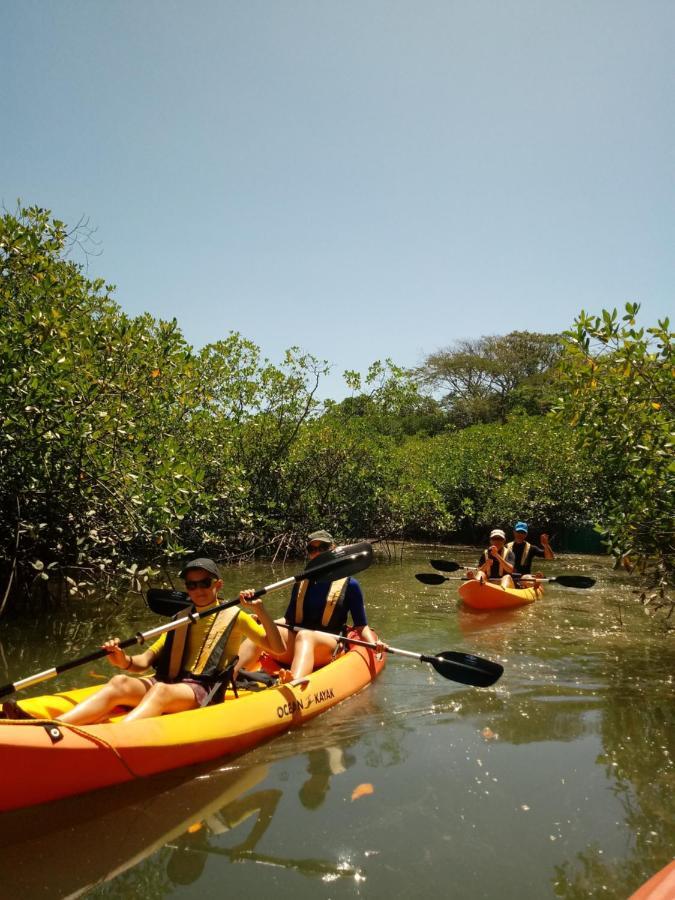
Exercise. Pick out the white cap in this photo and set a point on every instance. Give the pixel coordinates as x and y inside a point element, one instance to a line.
<point>497,532</point>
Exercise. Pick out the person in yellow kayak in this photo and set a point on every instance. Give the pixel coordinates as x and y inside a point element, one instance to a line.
<point>495,563</point>
<point>189,662</point>
<point>524,552</point>
<point>315,607</point>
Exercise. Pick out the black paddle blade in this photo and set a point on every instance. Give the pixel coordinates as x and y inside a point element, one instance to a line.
<point>166,602</point>
<point>339,563</point>
<point>575,581</point>
<point>430,578</point>
<point>465,668</point>
<point>444,565</point>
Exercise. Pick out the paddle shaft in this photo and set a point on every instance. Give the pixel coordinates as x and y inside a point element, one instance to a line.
<point>142,636</point>
<point>435,660</point>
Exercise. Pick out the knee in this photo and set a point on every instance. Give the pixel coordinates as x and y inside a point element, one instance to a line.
<point>159,692</point>
<point>118,684</point>
<point>305,638</point>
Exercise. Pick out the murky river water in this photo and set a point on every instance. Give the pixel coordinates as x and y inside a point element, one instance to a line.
<point>557,782</point>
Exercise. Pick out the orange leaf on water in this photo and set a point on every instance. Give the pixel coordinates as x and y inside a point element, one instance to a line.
<point>361,790</point>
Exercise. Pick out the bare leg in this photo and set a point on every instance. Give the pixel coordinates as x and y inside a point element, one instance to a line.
<point>249,652</point>
<point>507,582</point>
<point>121,690</point>
<point>163,698</point>
<point>311,650</point>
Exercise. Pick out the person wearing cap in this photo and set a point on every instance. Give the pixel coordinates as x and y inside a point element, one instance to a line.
<point>497,562</point>
<point>317,606</point>
<point>524,552</point>
<point>188,661</point>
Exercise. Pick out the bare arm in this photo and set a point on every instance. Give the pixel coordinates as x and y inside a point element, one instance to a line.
<point>139,662</point>
<point>493,554</point>
<point>548,551</point>
<point>272,641</point>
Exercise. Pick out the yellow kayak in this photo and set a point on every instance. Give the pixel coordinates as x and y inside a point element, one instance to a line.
<point>478,595</point>
<point>48,760</point>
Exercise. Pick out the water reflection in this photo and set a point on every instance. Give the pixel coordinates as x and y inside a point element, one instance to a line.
<point>83,841</point>
<point>158,832</point>
<point>558,782</point>
<point>322,765</point>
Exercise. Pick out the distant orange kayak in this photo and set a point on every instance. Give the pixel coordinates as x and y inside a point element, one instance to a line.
<point>659,887</point>
<point>493,596</point>
<point>48,760</point>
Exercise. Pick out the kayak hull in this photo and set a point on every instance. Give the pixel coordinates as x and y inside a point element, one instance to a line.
<point>476,595</point>
<point>49,760</point>
<point>659,887</point>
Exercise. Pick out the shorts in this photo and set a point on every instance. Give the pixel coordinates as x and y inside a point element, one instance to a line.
<point>200,690</point>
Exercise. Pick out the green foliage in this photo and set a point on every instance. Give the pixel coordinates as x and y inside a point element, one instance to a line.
<point>488,379</point>
<point>493,475</point>
<point>618,384</point>
<point>389,399</point>
<point>251,416</point>
<point>93,406</point>
<point>119,442</point>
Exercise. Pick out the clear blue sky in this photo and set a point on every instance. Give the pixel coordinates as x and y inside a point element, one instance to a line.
<point>363,178</point>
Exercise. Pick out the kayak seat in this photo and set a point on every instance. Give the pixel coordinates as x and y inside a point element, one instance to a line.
<point>12,710</point>
<point>218,687</point>
<point>255,681</point>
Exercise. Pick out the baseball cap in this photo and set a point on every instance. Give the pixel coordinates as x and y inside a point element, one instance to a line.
<point>497,532</point>
<point>207,564</point>
<point>521,526</point>
<point>321,536</point>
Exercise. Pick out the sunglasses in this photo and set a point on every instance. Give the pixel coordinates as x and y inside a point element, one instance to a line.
<point>198,583</point>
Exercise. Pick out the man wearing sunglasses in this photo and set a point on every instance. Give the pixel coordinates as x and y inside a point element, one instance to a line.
<point>317,606</point>
<point>188,661</point>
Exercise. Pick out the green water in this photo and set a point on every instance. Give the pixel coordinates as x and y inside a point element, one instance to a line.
<point>557,782</point>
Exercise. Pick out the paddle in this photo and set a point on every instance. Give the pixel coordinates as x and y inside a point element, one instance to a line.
<point>444,565</point>
<point>456,666</point>
<point>462,667</point>
<point>339,563</point>
<point>573,581</point>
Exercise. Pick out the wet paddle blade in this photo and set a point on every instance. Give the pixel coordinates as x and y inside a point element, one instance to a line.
<point>445,565</point>
<point>575,581</point>
<point>430,578</point>
<point>340,562</point>
<point>166,602</point>
<point>465,668</point>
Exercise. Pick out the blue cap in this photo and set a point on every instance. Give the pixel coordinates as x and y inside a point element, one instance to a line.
<point>521,526</point>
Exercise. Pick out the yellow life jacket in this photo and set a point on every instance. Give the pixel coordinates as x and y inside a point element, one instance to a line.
<point>334,597</point>
<point>525,558</point>
<point>169,665</point>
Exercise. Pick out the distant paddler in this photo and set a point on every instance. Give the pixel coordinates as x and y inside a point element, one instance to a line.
<point>524,552</point>
<point>495,563</point>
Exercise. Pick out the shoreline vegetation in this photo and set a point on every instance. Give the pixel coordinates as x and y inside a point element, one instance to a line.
<point>121,442</point>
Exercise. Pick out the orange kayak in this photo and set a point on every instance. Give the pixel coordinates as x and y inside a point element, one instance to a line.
<point>493,596</point>
<point>659,887</point>
<point>48,760</point>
